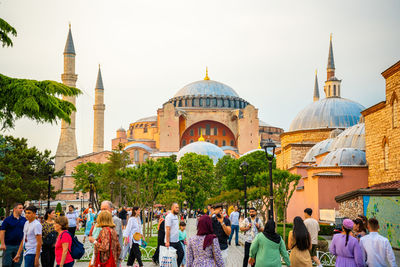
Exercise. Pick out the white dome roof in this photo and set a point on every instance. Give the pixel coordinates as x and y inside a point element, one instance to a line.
<point>353,137</point>
<point>317,149</point>
<point>206,88</point>
<point>202,148</point>
<point>344,157</point>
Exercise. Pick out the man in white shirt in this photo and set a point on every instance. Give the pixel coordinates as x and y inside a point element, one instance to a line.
<point>172,232</point>
<point>312,226</point>
<point>72,220</point>
<point>251,226</point>
<point>376,249</point>
<point>234,218</point>
<point>134,226</point>
<point>32,241</point>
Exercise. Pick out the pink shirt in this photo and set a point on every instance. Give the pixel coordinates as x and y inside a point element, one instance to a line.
<point>64,237</point>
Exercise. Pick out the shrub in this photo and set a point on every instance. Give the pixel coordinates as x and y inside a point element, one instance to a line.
<point>326,229</point>
<point>58,208</point>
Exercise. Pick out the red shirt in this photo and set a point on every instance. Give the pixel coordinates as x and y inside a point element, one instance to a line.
<point>64,237</point>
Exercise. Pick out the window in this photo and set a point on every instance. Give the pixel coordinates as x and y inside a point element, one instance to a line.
<point>193,102</point>
<point>191,141</point>
<point>136,155</point>
<point>223,143</point>
<point>184,143</point>
<point>395,111</point>
<point>200,102</point>
<point>199,130</point>
<point>223,132</point>
<point>232,143</point>
<point>216,142</point>
<point>208,130</point>
<point>191,132</point>
<point>180,103</point>
<point>386,155</point>
<point>215,131</point>
<point>145,129</point>
<point>186,103</point>
<point>334,89</point>
<point>145,156</point>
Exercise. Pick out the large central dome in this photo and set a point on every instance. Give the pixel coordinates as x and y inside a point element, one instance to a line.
<point>330,112</point>
<point>206,88</point>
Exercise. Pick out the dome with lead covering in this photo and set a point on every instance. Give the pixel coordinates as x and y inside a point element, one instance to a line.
<point>344,157</point>
<point>353,137</point>
<point>206,88</point>
<point>202,148</point>
<point>318,149</point>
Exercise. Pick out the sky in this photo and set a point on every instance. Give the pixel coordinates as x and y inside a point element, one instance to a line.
<point>267,51</point>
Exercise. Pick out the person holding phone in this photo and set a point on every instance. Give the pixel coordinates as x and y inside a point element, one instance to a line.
<point>222,229</point>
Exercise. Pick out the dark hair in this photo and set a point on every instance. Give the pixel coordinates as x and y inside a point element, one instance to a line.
<point>217,205</point>
<point>46,215</point>
<point>364,219</point>
<point>301,234</point>
<point>361,227</point>
<point>134,209</point>
<point>31,208</point>
<point>71,206</point>
<point>182,223</point>
<point>347,234</point>
<point>308,211</point>
<point>252,208</point>
<point>373,224</point>
<point>17,204</point>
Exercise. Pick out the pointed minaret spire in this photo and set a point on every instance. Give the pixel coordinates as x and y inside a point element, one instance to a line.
<point>69,45</point>
<point>331,62</point>
<point>206,78</point>
<point>99,82</point>
<point>316,88</point>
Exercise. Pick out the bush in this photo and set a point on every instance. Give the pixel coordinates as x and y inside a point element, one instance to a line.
<point>58,208</point>
<point>326,229</point>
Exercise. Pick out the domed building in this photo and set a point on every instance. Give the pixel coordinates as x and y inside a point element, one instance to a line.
<point>202,148</point>
<point>204,108</point>
<point>317,120</point>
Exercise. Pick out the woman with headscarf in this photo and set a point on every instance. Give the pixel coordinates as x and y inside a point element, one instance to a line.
<point>203,249</point>
<point>267,248</point>
<point>299,242</point>
<point>346,248</point>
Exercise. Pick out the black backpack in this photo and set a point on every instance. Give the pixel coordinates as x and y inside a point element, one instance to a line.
<point>50,239</point>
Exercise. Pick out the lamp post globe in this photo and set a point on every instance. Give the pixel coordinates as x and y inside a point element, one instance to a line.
<point>244,167</point>
<point>269,147</point>
<point>51,167</point>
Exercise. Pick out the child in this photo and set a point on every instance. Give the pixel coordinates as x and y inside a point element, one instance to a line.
<point>182,239</point>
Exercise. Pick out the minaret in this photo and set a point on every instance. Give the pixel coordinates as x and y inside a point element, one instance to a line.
<point>98,107</point>
<point>316,88</point>
<point>66,149</point>
<point>332,84</point>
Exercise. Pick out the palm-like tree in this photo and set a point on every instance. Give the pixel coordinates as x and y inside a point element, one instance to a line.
<point>5,30</point>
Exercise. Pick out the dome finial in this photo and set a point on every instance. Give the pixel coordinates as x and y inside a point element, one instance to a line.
<point>69,25</point>
<point>201,138</point>
<point>206,78</point>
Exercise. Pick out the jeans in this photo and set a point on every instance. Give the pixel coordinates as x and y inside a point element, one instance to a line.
<point>8,256</point>
<point>247,246</point>
<point>235,228</point>
<point>30,260</point>
<point>135,254</point>
<point>47,256</point>
<point>179,251</point>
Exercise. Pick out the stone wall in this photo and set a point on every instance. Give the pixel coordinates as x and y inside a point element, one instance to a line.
<point>351,208</point>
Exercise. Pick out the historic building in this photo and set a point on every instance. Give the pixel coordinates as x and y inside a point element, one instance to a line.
<point>206,109</point>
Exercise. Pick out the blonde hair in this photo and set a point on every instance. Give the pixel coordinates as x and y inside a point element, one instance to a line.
<point>105,219</point>
<point>63,221</point>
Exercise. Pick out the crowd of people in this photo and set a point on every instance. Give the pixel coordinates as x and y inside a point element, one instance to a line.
<point>115,233</point>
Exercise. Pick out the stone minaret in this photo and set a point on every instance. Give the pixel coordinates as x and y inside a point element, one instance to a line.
<point>332,84</point>
<point>98,107</point>
<point>316,88</point>
<point>66,149</point>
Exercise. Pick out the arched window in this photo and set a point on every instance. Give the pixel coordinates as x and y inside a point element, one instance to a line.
<point>385,154</point>
<point>395,112</point>
<point>334,89</point>
<point>329,90</point>
<point>223,143</point>
<point>136,155</point>
<point>232,143</point>
<point>193,102</point>
<point>184,143</point>
<point>216,142</point>
<point>207,102</point>
<point>145,156</point>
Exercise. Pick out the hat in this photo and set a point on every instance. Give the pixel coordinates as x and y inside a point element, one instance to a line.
<point>348,224</point>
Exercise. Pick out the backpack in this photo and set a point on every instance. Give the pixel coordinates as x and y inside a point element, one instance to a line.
<point>50,239</point>
<point>77,249</point>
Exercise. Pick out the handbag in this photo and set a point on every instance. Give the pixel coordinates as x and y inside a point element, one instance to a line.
<point>111,261</point>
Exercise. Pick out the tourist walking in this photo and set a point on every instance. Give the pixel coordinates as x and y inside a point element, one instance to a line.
<point>73,219</point>
<point>89,218</point>
<point>11,234</point>
<point>122,215</point>
<point>346,248</point>
<point>299,242</point>
<point>234,218</point>
<point>376,249</point>
<point>172,232</point>
<point>359,229</point>
<point>63,243</point>
<point>203,249</point>
<point>133,235</point>
<point>106,247</point>
<point>160,238</point>
<point>313,228</point>
<point>182,239</point>
<point>32,240</point>
<point>251,226</point>
<point>49,236</point>
<point>267,248</point>
<point>222,229</point>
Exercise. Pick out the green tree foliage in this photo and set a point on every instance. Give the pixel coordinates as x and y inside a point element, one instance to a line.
<point>198,179</point>
<point>25,173</point>
<point>5,31</point>
<point>36,100</point>
<point>58,208</point>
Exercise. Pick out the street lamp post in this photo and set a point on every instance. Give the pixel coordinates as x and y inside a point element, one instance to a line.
<point>269,146</point>
<point>51,165</point>
<point>245,168</point>
<point>179,180</point>
<point>81,203</point>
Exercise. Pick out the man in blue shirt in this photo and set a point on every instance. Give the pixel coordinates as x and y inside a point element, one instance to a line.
<point>11,234</point>
<point>234,217</point>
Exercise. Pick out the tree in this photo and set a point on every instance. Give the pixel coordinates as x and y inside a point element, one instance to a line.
<point>5,30</point>
<point>198,180</point>
<point>58,208</point>
<point>25,173</point>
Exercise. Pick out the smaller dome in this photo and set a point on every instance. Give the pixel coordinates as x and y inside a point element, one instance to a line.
<point>353,137</point>
<point>147,119</point>
<point>344,157</point>
<point>202,148</point>
<point>335,133</point>
<point>317,149</point>
<point>121,130</point>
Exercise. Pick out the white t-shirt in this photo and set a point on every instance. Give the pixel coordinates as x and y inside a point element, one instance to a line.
<point>172,221</point>
<point>31,230</point>
<point>72,216</point>
<point>313,228</point>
